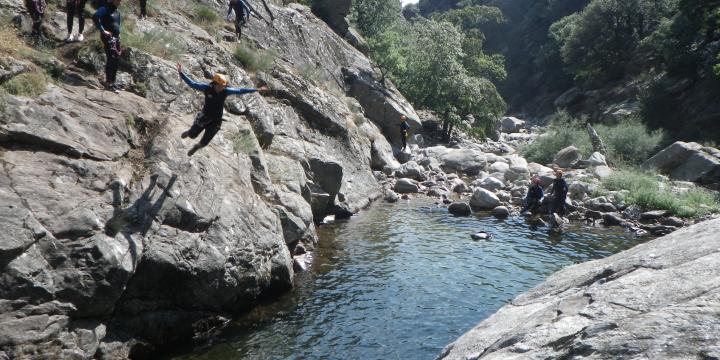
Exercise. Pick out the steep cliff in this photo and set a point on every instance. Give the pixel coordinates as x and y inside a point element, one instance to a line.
<point>115,243</point>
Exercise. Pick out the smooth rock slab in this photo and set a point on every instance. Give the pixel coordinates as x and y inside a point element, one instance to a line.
<point>658,300</point>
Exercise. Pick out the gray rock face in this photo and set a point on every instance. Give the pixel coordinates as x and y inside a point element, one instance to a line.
<point>110,229</point>
<point>639,303</point>
<point>567,156</point>
<point>687,162</point>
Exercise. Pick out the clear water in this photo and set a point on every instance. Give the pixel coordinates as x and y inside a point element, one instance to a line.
<point>401,281</point>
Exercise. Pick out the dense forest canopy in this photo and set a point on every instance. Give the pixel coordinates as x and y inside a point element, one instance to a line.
<point>465,59</point>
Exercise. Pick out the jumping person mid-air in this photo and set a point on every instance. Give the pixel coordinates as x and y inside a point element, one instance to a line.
<point>242,14</point>
<point>210,118</point>
<point>107,20</point>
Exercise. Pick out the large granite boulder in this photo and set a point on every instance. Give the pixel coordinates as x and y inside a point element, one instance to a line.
<point>567,157</point>
<point>511,124</point>
<point>484,200</point>
<point>658,300</point>
<point>687,162</point>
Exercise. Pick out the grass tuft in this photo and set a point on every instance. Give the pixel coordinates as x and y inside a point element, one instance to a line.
<point>646,191</point>
<point>253,60</point>
<point>27,84</point>
<point>243,142</point>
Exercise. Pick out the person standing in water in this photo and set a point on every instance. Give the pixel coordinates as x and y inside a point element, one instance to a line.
<point>210,118</point>
<point>559,192</point>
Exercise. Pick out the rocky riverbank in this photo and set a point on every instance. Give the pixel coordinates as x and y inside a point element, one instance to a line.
<point>658,300</point>
<point>493,178</point>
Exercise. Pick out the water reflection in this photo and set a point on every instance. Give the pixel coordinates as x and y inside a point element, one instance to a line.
<point>401,281</point>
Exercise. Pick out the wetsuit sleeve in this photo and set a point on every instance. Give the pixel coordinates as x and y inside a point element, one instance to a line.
<point>239,91</point>
<point>97,16</point>
<point>247,9</point>
<point>194,84</point>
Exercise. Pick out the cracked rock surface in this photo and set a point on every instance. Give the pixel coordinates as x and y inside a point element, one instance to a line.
<point>658,300</point>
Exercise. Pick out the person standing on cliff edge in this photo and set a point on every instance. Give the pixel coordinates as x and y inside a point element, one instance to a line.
<point>404,128</point>
<point>210,118</point>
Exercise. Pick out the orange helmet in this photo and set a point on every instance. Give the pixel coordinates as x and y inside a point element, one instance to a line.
<point>220,79</point>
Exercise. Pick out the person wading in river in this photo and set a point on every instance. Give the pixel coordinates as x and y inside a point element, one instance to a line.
<point>534,196</point>
<point>559,192</point>
<point>210,118</point>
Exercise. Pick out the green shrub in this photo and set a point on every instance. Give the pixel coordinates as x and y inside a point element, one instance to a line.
<point>205,16</point>
<point>253,60</point>
<point>563,132</point>
<point>630,141</point>
<point>27,84</point>
<point>645,190</point>
<point>157,42</point>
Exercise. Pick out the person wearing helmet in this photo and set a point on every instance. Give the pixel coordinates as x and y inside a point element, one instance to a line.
<point>242,14</point>
<point>559,192</point>
<point>404,127</point>
<point>534,196</point>
<point>107,20</point>
<point>210,118</point>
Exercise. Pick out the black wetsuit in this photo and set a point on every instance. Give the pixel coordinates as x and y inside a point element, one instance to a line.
<point>210,118</point>
<point>560,190</point>
<point>107,18</point>
<point>36,8</point>
<point>72,8</point>
<point>533,198</point>
<point>242,14</point>
<point>404,127</point>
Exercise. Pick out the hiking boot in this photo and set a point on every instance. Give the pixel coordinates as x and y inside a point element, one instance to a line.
<point>184,135</point>
<point>112,87</point>
<point>79,38</point>
<point>193,150</point>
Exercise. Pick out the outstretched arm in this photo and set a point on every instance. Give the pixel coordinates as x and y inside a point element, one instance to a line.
<point>240,91</point>
<point>192,83</point>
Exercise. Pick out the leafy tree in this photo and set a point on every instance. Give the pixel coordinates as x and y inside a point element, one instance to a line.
<point>373,17</point>
<point>439,81</point>
<point>387,52</point>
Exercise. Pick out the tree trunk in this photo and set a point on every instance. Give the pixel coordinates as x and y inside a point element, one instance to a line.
<point>597,143</point>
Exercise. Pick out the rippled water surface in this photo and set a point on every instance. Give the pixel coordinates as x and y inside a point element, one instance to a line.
<point>401,281</point>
